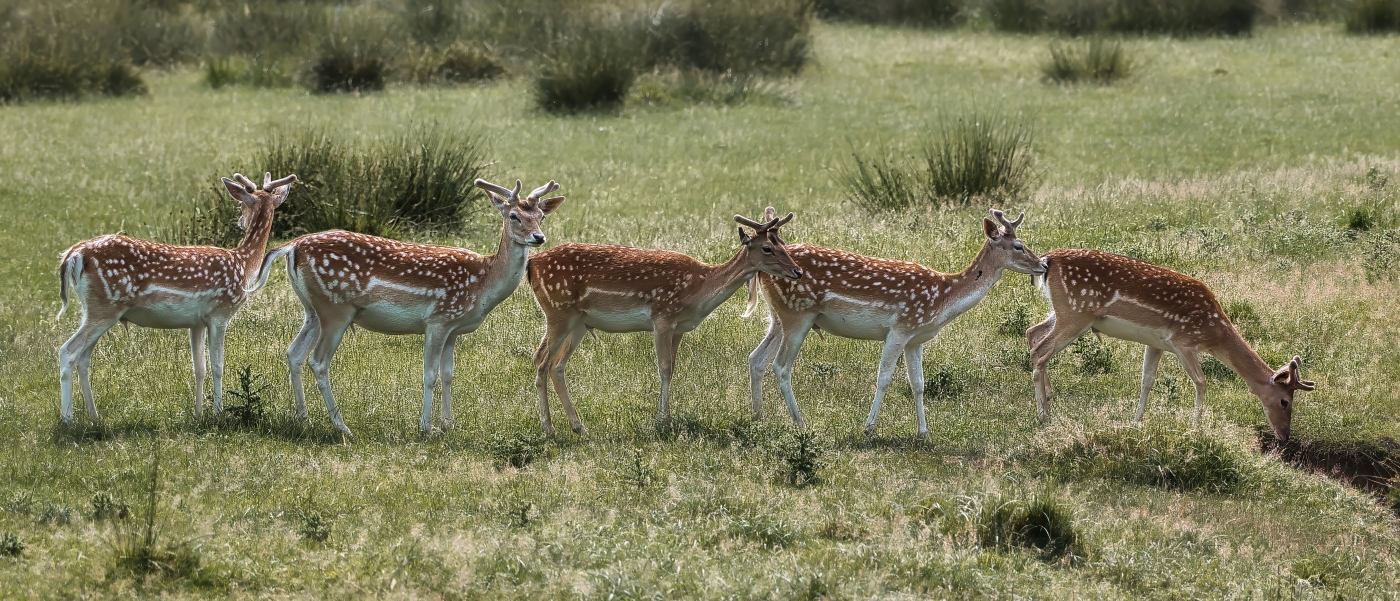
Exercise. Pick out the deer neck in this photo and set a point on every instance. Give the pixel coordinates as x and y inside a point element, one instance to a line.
<point>968,287</point>
<point>254,245</point>
<point>1235,353</point>
<point>503,269</point>
<point>719,282</point>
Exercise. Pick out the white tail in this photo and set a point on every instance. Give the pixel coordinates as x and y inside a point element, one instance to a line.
<point>266,265</point>
<point>68,270</point>
<point>901,303</point>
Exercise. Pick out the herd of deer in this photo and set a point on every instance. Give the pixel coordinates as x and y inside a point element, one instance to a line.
<point>344,278</point>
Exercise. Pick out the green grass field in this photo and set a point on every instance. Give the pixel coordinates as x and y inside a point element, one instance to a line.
<point>1233,160</point>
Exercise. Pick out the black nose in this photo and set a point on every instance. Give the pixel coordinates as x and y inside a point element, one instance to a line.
<point>537,238</point>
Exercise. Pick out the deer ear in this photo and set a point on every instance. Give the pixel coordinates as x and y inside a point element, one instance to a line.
<point>769,213</point>
<point>990,228</point>
<point>1283,375</point>
<point>549,204</point>
<point>744,237</point>
<point>496,201</point>
<point>238,193</point>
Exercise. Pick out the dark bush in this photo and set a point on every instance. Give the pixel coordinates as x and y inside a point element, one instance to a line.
<point>63,51</point>
<point>1181,460</point>
<point>10,545</point>
<point>457,63</point>
<point>738,36</point>
<point>1041,524</point>
<point>1095,61</point>
<point>517,450</point>
<point>803,456</point>
<point>943,383</point>
<point>1079,17</point>
<point>1373,16</point>
<point>347,66</point>
<point>920,13</point>
<point>591,67</point>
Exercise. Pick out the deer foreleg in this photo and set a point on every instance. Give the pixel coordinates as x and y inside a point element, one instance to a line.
<point>889,356</point>
<point>1150,359</point>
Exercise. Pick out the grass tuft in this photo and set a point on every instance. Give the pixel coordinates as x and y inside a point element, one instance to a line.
<point>11,545</point>
<point>944,383</point>
<point>982,154</point>
<point>803,456</point>
<point>1094,61</point>
<point>592,67</point>
<point>517,450</point>
<point>1374,16</point>
<point>1095,357</point>
<point>1041,524</point>
<point>107,507</point>
<point>1179,460</point>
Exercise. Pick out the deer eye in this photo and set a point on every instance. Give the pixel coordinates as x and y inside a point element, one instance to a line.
<point>768,250</point>
<point>515,218</point>
<point>1018,246</point>
<point>1283,402</point>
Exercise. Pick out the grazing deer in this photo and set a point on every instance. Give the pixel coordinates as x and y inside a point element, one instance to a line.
<point>393,287</point>
<point>1165,310</point>
<point>902,303</point>
<point>585,287</point>
<point>121,279</point>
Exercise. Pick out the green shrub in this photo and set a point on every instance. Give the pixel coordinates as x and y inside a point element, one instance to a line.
<point>56,514</point>
<point>1041,524</point>
<point>881,183</point>
<point>803,456</point>
<point>1016,321</point>
<point>1095,357</point>
<point>347,66</point>
<point>1095,61</point>
<point>1079,17</point>
<point>248,407</point>
<point>1373,16</point>
<point>312,526</point>
<point>457,63</point>
<point>105,507</point>
<point>737,36</point>
<point>943,383</point>
<point>10,545</point>
<point>979,155</point>
<point>677,87</point>
<point>517,450</point>
<point>259,71</point>
<point>919,13</point>
<point>591,67</point>
<point>1180,460</point>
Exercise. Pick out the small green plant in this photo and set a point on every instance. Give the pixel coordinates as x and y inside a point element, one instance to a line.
<point>1041,524</point>
<point>1381,254</point>
<point>1374,16</point>
<point>1095,356</point>
<point>638,472</point>
<point>1375,178</point>
<point>56,514</point>
<point>943,384</point>
<point>250,411</point>
<point>802,454</point>
<point>1094,61</point>
<point>1016,321</point>
<point>107,507</point>
<point>313,526</point>
<point>136,546</point>
<point>457,63</point>
<point>521,513</point>
<point>11,545</point>
<point>1323,570</point>
<point>517,450</point>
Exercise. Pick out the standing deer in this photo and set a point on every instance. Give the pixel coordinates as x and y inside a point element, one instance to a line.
<point>1165,310</point>
<point>121,279</point>
<point>393,287</point>
<point>902,303</point>
<point>585,287</point>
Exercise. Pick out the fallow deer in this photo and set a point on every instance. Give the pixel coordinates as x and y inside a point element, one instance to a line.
<point>585,287</point>
<point>1133,300</point>
<point>393,287</point>
<point>126,280</point>
<point>902,303</point>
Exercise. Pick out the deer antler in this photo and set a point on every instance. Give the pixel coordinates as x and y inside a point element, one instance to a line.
<point>749,222</point>
<point>497,188</point>
<point>542,190</point>
<point>269,184</point>
<point>1009,225</point>
<point>245,182</point>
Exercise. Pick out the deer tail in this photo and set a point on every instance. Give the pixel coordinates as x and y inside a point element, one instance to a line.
<point>263,270</point>
<point>68,271</point>
<point>753,296</point>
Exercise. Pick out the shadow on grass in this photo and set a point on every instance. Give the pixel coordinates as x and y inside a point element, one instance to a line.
<point>1369,465</point>
<point>86,432</point>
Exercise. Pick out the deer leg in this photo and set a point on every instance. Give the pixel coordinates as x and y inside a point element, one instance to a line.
<point>1191,362</point>
<point>197,335</point>
<point>433,342</point>
<point>914,362</point>
<point>889,356</point>
<point>1062,333</point>
<point>297,353</point>
<point>665,362</point>
<point>76,354</point>
<point>217,331</point>
<point>445,374</point>
<point>1150,359</point>
<point>793,337</point>
<point>760,359</point>
<point>561,387</point>
<point>555,334</point>
<point>332,330</point>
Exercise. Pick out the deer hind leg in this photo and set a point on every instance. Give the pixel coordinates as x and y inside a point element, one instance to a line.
<point>433,342</point>
<point>666,342</point>
<point>914,361</point>
<point>297,353</point>
<point>1191,362</point>
<point>445,374</point>
<point>555,334</point>
<point>332,330</point>
<point>217,331</point>
<point>1150,359</point>
<point>1062,332</point>
<point>76,355</point>
<point>197,339</point>
<point>561,386</point>
<point>760,359</point>
<point>794,334</point>
<point>889,356</point>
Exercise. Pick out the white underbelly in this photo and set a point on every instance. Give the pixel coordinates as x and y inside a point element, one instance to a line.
<point>861,326</point>
<point>392,318</point>
<point>632,319</point>
<point>169,315</point>
<point>1127,330</point>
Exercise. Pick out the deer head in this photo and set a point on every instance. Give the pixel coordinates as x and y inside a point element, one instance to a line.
<point>1277,396</point>
<point>766,251</point>
<point>523,216</point>
<point>273,192</point>
<point>1007,250</point>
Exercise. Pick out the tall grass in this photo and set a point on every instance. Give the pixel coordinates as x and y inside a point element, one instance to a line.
<point>63,51</point>
<point>918,13</point>
<point>1180,460</point>
<point>1094,61</point>
<point>1373,16</point>
<point>591,67</point>
<point>1079,17</point>
<point>740,36</point>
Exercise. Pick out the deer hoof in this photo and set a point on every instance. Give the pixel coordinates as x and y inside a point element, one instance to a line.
<point>923,436</point>
<point>580,430</point>
<point>870,430</point>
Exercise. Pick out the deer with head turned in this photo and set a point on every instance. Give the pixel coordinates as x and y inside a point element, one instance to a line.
<point>126,280</point>
<point>901,303</point>
<point>586,287</point>
<point>393,287</point>
<point>1167,311</point>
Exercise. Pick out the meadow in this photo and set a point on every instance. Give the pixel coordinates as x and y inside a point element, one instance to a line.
<point>1264,165</point>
